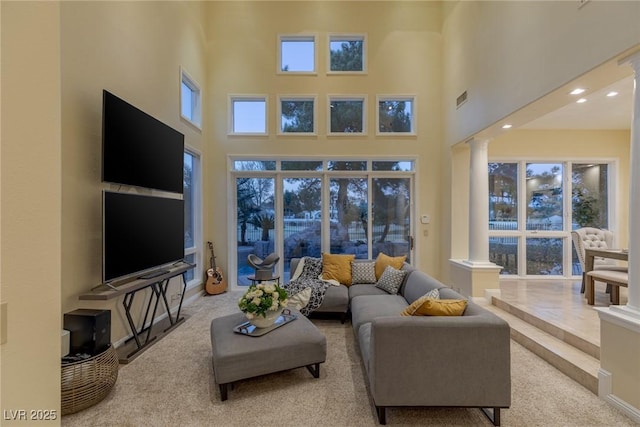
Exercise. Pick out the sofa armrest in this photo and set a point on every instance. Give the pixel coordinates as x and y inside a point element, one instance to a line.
<point>440,361</point>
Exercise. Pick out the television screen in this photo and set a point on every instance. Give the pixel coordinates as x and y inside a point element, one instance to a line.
<point>140,233</point>
<point>138,149</point>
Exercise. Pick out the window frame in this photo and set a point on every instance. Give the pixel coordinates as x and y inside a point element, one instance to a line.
<point>522,234</point>
<point>312,37</point>
<point>313,98</point>
<point>196,99</point>
<point>343,97</point>
<point>398,98</point>
<point>331,37</point>
<point>232,98</point>
<point>325,174</point>
<point>196,249</point>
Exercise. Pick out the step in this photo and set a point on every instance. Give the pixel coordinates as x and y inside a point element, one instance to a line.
<point>558,331</point>
<point>571,361</point>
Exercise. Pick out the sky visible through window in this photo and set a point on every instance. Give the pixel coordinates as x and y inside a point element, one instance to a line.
<point>297,55</point>
<point>249,116</point>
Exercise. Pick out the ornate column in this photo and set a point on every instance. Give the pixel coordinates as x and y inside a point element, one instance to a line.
<point>478,203</point>
<point>476,276</point>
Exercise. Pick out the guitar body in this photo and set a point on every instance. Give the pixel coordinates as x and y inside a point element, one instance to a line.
<point>215,282</point>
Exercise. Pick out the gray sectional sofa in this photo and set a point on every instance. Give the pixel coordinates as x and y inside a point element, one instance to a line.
<point>452,361</point>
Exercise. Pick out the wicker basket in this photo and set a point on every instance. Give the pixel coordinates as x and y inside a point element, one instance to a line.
<point>87,382</point>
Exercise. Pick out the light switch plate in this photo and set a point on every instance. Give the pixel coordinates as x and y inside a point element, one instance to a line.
<point>425,219</point>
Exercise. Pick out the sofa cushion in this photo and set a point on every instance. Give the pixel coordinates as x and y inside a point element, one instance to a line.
<point>336,300</point>
<point>363,272</point>
<point>419,284</point>
<point>365,308</point>
<point>444,307</point>
<point>391,280</point>
<point>365,289</point>
<point>414,308</point>
<point>383,260</point>
<point>337,267</point>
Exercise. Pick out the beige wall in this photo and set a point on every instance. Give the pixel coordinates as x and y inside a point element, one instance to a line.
<point>546,145</point>
<point>135,50</point>
<point>30,209</point>
<point>403,50</point>
<point>619,349</point>
<point>508,54</point>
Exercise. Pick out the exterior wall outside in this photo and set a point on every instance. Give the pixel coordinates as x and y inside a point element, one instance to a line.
<point>30,209</point>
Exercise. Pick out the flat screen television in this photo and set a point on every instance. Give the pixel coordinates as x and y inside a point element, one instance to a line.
<point>139,150</point>
<point>140,234</point>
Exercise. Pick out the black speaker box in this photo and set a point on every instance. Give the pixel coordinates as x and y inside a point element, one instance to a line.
<point>90,330</point>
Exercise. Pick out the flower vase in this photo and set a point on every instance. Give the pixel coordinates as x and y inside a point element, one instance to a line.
<point>264,322</point>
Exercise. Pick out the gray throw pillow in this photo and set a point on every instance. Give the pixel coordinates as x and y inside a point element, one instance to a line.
<point>363,272</point>
<point>391,280</point>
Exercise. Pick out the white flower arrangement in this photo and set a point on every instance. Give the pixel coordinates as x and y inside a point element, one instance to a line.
<point>261,298</point>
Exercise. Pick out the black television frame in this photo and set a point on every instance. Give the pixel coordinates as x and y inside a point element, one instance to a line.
<point>134,228</point>
<point>138,149</point>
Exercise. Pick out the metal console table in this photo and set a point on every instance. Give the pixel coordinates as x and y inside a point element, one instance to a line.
<point>158,283</point>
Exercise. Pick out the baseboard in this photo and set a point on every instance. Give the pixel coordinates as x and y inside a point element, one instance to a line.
<point>604,391</point>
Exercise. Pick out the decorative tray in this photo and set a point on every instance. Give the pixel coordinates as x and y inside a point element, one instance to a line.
<point>250,330</point>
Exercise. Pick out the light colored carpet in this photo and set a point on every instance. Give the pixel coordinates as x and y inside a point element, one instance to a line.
<point>172,384</point>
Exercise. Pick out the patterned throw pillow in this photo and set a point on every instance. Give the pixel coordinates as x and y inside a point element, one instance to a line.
<point>363,272</point>
<point>414,308</point>
<point>391,280</point>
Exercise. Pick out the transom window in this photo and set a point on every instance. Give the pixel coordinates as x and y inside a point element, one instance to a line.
<point>297,54</point>
<point>190,99</point>
<point>347,53</point>
<point>347,115</point>
<point>248,115</point>
<point>396,114</point>
<point>297,115</point>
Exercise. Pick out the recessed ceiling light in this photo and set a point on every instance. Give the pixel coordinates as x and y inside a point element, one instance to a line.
<point>507,126</point>
<point>577,91</point>
<point>581,100</point>
<point>612,93</point>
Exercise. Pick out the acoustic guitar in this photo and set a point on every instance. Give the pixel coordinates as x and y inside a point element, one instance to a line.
<point>215,282</point>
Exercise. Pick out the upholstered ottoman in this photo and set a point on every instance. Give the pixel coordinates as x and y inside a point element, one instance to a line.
<point>236,357</point>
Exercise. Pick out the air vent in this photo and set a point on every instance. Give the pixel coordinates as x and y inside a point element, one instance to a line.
<point>461,99</point>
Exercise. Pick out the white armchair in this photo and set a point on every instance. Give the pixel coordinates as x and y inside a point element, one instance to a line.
<point>594,238</point>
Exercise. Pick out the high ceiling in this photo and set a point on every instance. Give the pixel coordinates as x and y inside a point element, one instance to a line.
<point>598,112</point>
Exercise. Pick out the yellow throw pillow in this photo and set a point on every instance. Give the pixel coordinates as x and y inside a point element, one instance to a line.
<point>337,267</point>
<point>382,261</point>
<point>411,309</point>
<point>442,307</point>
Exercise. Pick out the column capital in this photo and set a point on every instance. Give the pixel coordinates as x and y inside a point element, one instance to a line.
<point>477,141</point>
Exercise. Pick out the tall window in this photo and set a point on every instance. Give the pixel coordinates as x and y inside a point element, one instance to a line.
<point>190,99</point>
<point>304,207</point>
<point>533,238</point>
<point>192,224</point>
